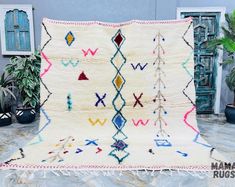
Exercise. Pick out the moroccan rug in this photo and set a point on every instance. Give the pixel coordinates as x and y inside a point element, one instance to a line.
<point>116,97</point>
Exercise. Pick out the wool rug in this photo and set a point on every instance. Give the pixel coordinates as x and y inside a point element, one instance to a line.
<point>116,96</point>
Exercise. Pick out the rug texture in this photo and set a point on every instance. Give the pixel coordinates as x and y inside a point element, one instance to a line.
<point>116,97</point>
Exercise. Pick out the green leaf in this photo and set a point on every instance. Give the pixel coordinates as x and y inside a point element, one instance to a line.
<point>25,71</point>
<point>26,101</point>
<point>33,103</point>
<point>230,80</point>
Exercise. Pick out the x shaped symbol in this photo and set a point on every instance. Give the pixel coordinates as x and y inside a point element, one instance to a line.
<point>92,142</point>
<point>100,99</point>
<point>137,100</point>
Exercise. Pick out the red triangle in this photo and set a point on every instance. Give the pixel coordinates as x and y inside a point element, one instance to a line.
<point>82,76</point>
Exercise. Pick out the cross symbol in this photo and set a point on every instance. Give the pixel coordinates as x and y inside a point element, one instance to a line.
<point>100,99</point>
<point>137,100</point>
<point>92,142</point>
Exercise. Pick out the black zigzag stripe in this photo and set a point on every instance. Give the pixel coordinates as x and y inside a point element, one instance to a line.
<point>186,94</point>
<point>44,26</point>
<point>211,153</point>
<point>13,159</point>
<point>49,93</point>
<point>183,37</point>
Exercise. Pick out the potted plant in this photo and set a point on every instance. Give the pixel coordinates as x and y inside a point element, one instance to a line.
<point>228,43</point>
<point>25,71</point>
<point>5,94</point>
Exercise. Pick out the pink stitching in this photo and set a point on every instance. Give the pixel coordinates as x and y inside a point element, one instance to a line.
<point>116,24</point>
<point>185,119</point>
<point>32,166</point>
<point>85,53</point>
<point>49,66</point>
<point>140,121</point>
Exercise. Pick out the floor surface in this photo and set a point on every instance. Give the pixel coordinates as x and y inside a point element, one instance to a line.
<point>219,134</point>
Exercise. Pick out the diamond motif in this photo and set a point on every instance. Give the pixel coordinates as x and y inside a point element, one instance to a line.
<point>119,103</point>
<point>119,136</point>
<point>118,81</point>
<point>119,155</point>
<point>119,121</point>
<point>118,39</point>
<point>118,60</point>
<point>120,145</point>
<point>69,38</point>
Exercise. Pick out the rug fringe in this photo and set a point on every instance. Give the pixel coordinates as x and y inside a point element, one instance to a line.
<point>24,177</point>
<point>28,177</point>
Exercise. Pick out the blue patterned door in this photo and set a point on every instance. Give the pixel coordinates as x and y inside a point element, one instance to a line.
<point>17,31</point>
<point>206,27</point>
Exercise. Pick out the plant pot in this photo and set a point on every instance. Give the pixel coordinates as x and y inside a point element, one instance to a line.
<point>230,113</point>
<point>5,119</point>
<point>25,115</point>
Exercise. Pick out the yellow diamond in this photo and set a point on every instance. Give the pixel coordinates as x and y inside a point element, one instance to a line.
<point>118,81</point>
<point>69,38</point>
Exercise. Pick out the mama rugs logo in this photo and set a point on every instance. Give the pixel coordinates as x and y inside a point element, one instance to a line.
<point>223,169</point>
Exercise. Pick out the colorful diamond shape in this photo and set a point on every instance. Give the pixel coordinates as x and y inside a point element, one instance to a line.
<point>118,82</point>
<point>119,145</point>
<point>69,38</point>
<point>119,121</point>
<point>119,155</point>
<point>118,39</point>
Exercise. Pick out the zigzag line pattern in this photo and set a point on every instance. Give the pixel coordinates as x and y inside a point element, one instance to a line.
<point>22,155</point>
<point>183,37</point>
<point>73,63</point>
<point>186,117</point>
<point>186,69</point>
<point>118,120</point>
<point>85,53</point>
<point>47,123</point>
<point>186,62</point>
<point>194,106</point>
<point>49,93</point>
<point>211,153</point>
<point>97,121</point>
<point>142,67</point>
<point>44,26</point>
<point>48,67</point>
<point>37,141</point>
<point>186,94</point>
<point>140,121</point>
<point>196,141</point>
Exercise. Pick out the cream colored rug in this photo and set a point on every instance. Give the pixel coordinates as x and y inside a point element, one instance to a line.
<point>117,96</point>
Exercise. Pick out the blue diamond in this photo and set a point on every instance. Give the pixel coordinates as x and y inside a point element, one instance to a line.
<point>119,145</point>
<point>119,121</point>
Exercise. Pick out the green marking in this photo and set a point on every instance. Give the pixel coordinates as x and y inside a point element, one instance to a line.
<point>65,64</point>
<point>185,63</point>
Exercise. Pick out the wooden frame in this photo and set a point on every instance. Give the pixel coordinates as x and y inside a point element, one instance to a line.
<point>222,11</point>
<point>28,9</point>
